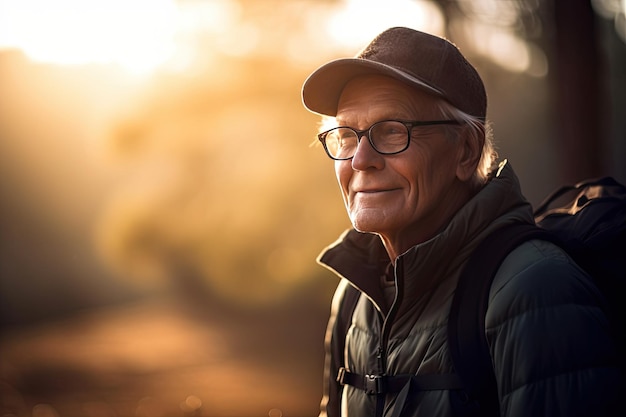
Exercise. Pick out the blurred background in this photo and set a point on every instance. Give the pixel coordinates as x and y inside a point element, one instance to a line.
<point>161,205</point>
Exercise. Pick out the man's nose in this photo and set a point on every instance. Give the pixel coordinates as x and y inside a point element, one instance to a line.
<point>365,156</point>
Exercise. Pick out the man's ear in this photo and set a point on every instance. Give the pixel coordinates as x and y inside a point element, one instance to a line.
<point>469,153</point>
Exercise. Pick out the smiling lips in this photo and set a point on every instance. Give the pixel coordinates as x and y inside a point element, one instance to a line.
<point>374,191</point>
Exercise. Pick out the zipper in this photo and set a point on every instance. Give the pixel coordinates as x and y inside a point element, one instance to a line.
<point>381,352</point>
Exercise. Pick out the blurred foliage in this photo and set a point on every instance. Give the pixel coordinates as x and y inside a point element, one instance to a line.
<point>196,192</point>
<point>223,183</point>
<point>203,171</point>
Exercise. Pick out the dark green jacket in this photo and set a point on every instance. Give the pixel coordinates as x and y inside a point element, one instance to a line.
<point>548,336</point>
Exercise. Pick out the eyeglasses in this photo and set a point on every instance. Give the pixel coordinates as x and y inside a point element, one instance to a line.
<point>387,137</point>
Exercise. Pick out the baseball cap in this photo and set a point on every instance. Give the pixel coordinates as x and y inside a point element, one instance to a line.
<point>425,61</point>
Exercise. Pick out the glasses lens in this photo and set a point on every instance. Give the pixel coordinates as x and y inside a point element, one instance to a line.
<point>389,137</point>
<point>341,142</point>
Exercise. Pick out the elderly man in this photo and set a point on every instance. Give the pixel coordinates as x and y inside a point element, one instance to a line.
<point>415,164</point>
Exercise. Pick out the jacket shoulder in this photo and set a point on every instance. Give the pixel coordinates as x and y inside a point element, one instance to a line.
<point>539,274</point>
<point>548,334</point>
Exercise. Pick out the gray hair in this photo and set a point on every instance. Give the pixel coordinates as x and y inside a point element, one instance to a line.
<point>479,130</point>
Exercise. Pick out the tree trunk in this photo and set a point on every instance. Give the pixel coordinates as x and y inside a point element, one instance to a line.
<point>579,85</point>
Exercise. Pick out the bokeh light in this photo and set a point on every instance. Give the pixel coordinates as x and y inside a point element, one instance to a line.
<point>358,21</point>
<point>78,32</point>
<point>161,205</point>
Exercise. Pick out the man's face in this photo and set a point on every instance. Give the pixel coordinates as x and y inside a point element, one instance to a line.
<point>407,197</point>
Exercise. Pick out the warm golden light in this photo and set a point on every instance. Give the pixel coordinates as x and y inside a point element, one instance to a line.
<point>490,31</point>
<point>500,45</point>
<point>136,34</point>
<point>163,194</point>
<point>358,21</point>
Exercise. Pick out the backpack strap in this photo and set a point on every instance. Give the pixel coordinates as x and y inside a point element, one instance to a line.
<point>384,384</point>
<point>466,324</point>
<point>335,357</point>
<point>473,387</point>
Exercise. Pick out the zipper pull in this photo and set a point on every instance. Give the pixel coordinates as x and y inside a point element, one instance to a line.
<point>381,362</point>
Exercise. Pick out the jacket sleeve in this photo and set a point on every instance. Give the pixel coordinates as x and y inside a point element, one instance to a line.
<point>550,338</point>
<point>340,318</point>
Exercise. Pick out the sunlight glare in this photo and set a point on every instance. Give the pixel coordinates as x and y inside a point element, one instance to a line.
<point>359,20</point>
<point>242,40</point>
<point>613,10</point>
<point>136,34</point>
<point>502,47</point>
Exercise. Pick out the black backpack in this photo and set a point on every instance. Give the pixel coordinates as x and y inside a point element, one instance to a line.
<point>590,225</point>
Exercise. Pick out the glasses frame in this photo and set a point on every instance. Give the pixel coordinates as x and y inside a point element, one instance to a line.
<point>409,124</point>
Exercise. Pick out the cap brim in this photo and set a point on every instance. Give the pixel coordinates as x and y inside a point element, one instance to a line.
<point>322,89</point>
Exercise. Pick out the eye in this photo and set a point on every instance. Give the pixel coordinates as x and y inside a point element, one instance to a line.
<point>391,131</point>
<point>341,135</point>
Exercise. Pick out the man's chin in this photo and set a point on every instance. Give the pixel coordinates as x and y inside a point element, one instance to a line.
<point>364,231</point>
<point>366,225</point>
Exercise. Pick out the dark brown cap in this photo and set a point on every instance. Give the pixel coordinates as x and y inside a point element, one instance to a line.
<point>427,62</point>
